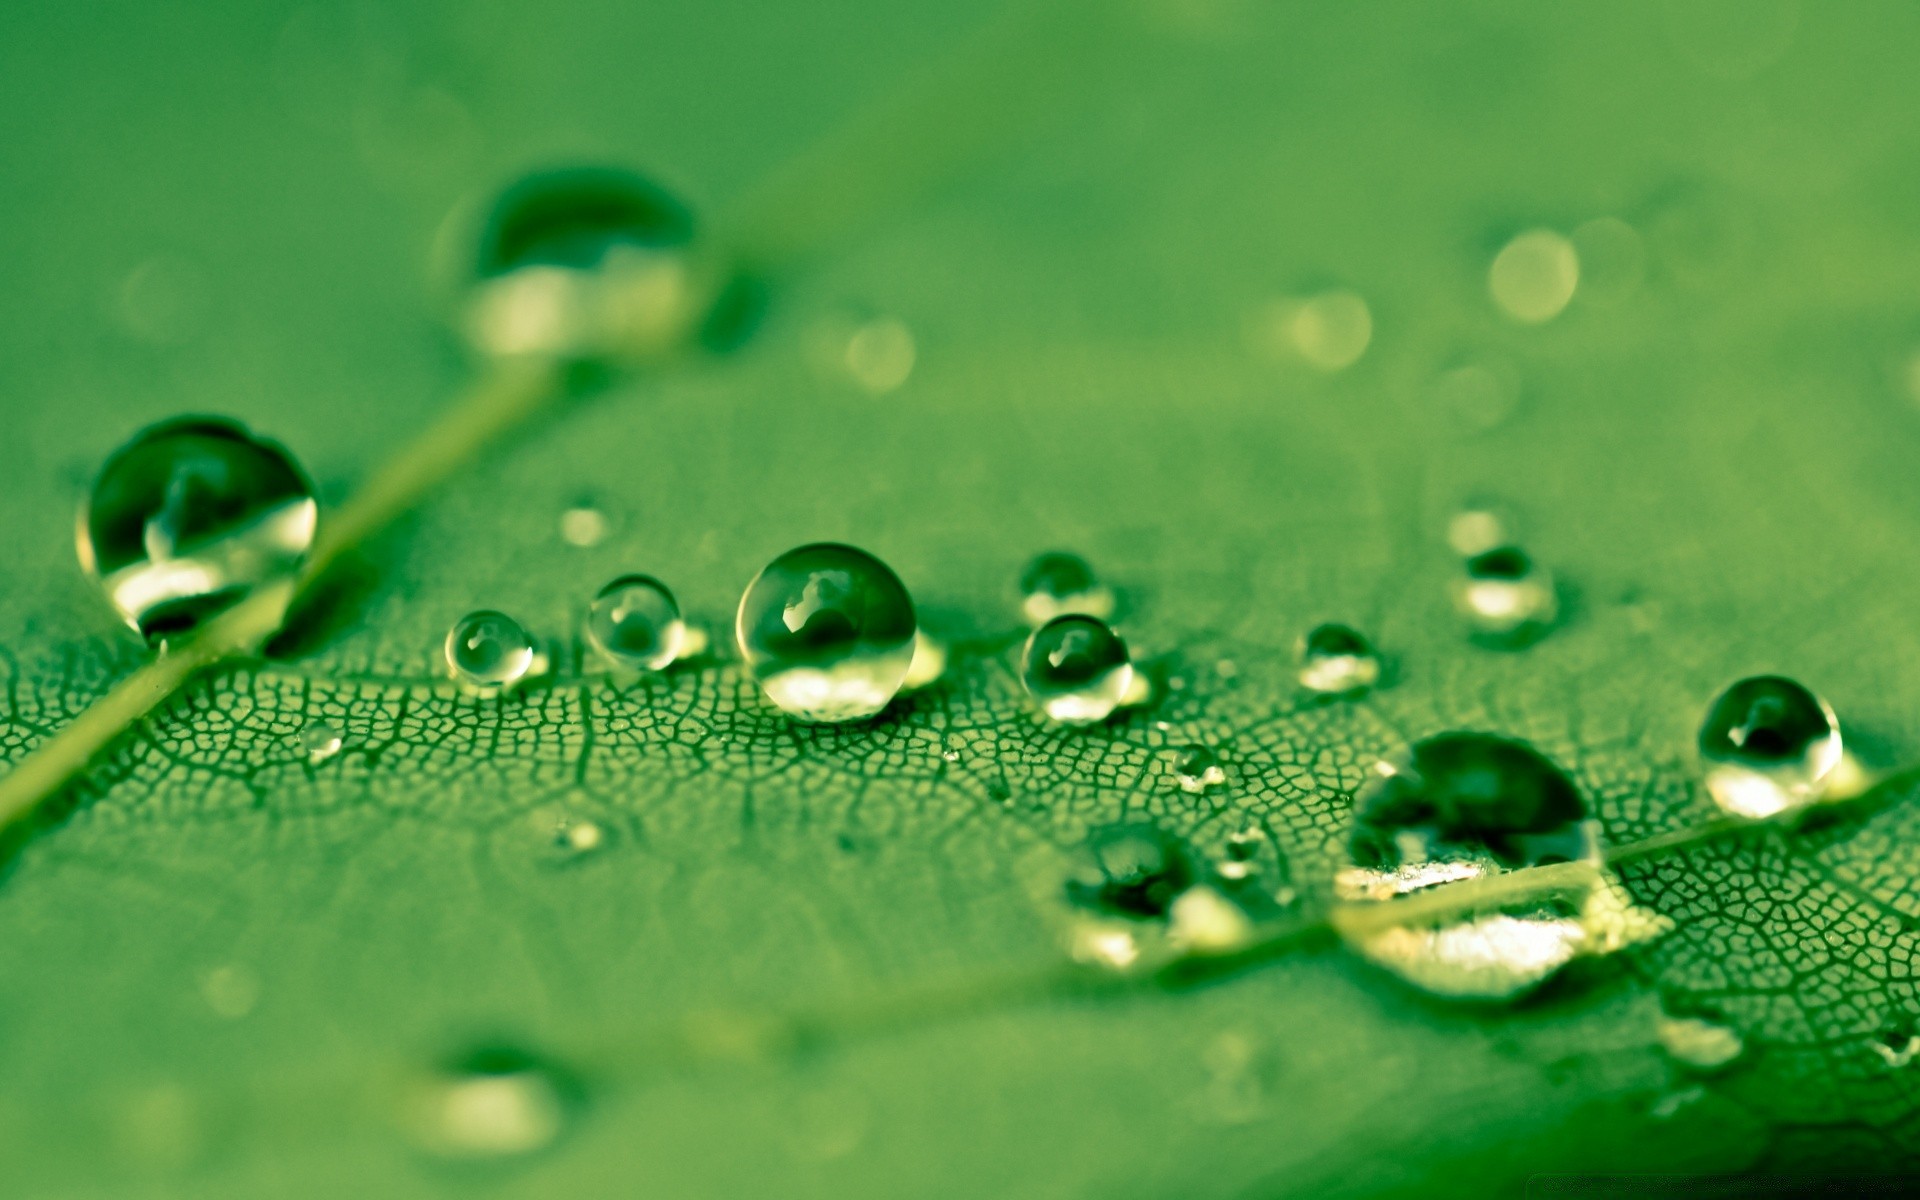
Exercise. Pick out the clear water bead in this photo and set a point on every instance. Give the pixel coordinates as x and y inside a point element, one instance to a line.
<point>321,740</point>
<point>1337,660</point>
<point>489,651</point>
<point>828,630</point>
<point>1076,669</point>
<point>634,622</point>
<point>1197,768</point>
<point>1491,825</point>
<point>1770,746</point>
<point>1507,598</point>
<point>189,517</point>
<point>1058,584</point>
<point>583,263</point>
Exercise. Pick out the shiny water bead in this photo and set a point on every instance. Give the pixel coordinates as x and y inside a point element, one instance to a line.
<point>1132,870</point>
<point>1076,669</point>
<point>321,740</point>
<point>489,651</point>
<point>1057,584</point>
<point>188,517</point>
<point>583,263</point>
<point>495,1102</point>
<point>1197,768</point>
<point>1337,660</point>
<point>1506,597</point>
<point>634,622</point>
<point>1142,895</point>
<point>828,630</point>
<point>1457,813</point>
<point>1770,746</point>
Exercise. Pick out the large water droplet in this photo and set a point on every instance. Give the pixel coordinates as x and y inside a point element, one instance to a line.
<point>1770,746</point>
<point>1507,598</point>
<point>1197,768</point>
<point>1337,660</point>
<point>188,517</point>
<point>1057,584</point>
<point>489,651</point>
<point>1077,669</point>
<point>583,263</point>
<point>634,622</point>
<point>495,1102</point>
<point>828,631</point>
<point>1497,842</point>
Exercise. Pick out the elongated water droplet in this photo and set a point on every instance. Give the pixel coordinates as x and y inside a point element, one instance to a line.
<point>1076,669</point>
<point>321,740</point>
<point>1057,584</point>
<point>489,651</point>
<point>634,622</point>
<point>188,517</point>
<point>1770,746</point>
<point>495,1102</point>
<point>1702,1045</point>
<point>1475,872</point>
<point>1197,768</point>
<point>1507,598</point>
<point>583,264</point>
<point>828,631</point>
<point>1337,660</point>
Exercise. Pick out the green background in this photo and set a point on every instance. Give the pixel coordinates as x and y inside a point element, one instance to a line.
<point>232,207</point>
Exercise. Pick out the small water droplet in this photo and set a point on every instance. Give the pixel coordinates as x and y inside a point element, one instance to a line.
<point>1896,1047</point>
<point>1076,669</point>
<point>950,755</point>
<point>1497,839</point>
<point>1329,331</point>
<point>489,651</point>
<point>321,740</point>
<point>1770,746</point>
<point>1479,528</point>
<point>1534,276</point>
<point>230,991</point>
<point>880,355</point>
<point>1699,1044</point>
<point>1507,598</point>
<point>828,631</point>
<point>583,264</point>
<point>1197,768</point>
<point>634,623</point>
<point>1058,584</point>
<point>189,517</point>
<point>929,662</point>
<point>1337,660</point>
<point>1240,858</point>
<point>495,1102</point>
<point>565,836</point>
<point>584,526</point>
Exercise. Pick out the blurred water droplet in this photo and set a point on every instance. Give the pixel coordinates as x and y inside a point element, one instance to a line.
<point>1896,1047</point>
<point>880,355</point>
<point>929,662</point>
<point>1076,669</point>
<point>1770,746</point>
<point>1613,261</point>
<point>1534,276</point>
<point>1197,768</point>
<point>828,630</point>
<point>584,526</point>
<point>189,517</point>
<point>493,1103</point>
<point>1478,528</point>
<point>634,623</point>
<point>321,740</point>
<point>1329,331</point>
<point>1140,897</point>
<point>489,651</point>
<point>230,991</point>
<point>950,755</point>
<point>1057,584</point>
<point>1241,856</point>
<point>1497,838</point>
<point>565,836</point>
<point>163,301</point>
<point>1506,597</point>
<point>1337,660</point>
<point>1699,1044</point>
<point>1478,395</point>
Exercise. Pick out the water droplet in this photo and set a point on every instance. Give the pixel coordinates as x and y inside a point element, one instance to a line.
<point>1478,528</point>
<point>950,755</point>
<point>188,517</point>
<point>634,623</point>
<point>1057,584</point>
<point>1506,597</point>
<point>1329,331</point>
<point>496,1102</point>
<point>1337,660</point>
<point>583,264</point>
<point>584,526</point>
<point>1534,276</point>
<point>828,631</point>
<point>1076,669</point>
<point>1240,859</point>
<point>1197,768</point>
<point>230,991</point>
<point>1699,1044</point>
<point>565,836</point>
<point>1896,1047</point>
<point>321,740</point>
<point>1770,746</point>
<point>1141,896</point>
<point>489,651</point>
<point>1475,872</point>
<point>929,662</point>
<point>880,355</point>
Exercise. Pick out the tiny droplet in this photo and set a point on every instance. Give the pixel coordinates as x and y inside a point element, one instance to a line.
<point>321,740</point>
<point>1197,768</point>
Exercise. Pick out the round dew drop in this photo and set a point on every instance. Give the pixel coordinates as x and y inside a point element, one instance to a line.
<point>1770,746</point>
<point>1057,584</point>
<point>189,517</point>
<point>494,1103</point>
<point>634,622</point>
<point>1076,669</point>
<point>1337,660</point>
<point>489,651</point>
<point>1507,598</point>
<point>321,741</point>
<point>1196,769</point>
<point>828,630</point>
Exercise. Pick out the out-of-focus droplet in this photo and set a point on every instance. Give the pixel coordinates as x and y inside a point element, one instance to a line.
<point>1197,768</point>
<point>828,630</point>
<point>1337,660</point>
<point>929,662</point>
<point>1477,396</point>
<point>586,263</point>
<point>1076,669</point>
<point>189,517</point>
<point>163,301</point>
<point>1534,276</point>
<point>585,526</point>
<point>321,740</point>
<point>1475,873</point>
<point>1057,584</point>
<point>1770,746</point>
<point>489,651</point>
<point>1329,331</point>
<point>1140,896</point>
<point>1613,261</point>
<point>1896,1047</point>
<point>1699,1044</point>
<point>496,1102</point>
<point>230,991</point>
<point>1506,597</point>
<point>634,623</point>
<point>880,354</point>
<point>1478,528</point>
<point>563,836</point>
